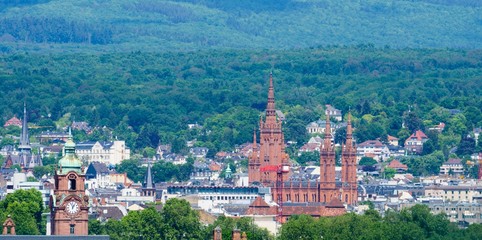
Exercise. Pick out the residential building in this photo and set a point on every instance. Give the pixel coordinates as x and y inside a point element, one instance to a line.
<point>98,176</point>
<point>333,112</point>
<point>452,167</point>
<point>454,193</point>
<point>373,148</point>
<point>81,126</point>
<point>48,136</point>
<point>199,152</point>
<point>414,144</point>
<point>398,166</point>
<point>109,153</point>
<point>438,128</point>
<point>392,140</point>
<point>13,122</point>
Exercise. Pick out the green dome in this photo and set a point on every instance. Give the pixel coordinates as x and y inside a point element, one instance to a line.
<point>69,162</point>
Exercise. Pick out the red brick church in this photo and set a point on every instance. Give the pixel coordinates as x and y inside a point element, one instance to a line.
<point>320,194</point>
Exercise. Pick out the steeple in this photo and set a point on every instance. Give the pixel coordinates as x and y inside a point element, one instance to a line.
<point>148,183</point>
<point>270,109</point>
<point>255,143</point>
<point>70,162</point>
<point>24,141</point>
<point>327,142</point>
<point>349,138</point>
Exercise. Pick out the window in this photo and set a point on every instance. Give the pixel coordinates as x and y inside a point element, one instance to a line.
<point>72,184</point>
<point>72,229</point>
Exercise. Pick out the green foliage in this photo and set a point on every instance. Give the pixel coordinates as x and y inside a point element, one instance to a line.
<point>411,223</point>
<point>176,221</point>
<point>244,224</point>
<point>192,24</point>
<point>424,165</point>
<point>39,171</point>
<point>161,171</point>
<point>25,208</point>
<point>389,173</point>
<point>367,161</point>
<point>306,157</point>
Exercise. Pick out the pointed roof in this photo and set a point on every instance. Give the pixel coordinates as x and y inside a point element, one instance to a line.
<point>270,109</point>
<point>349,130</point>
<point>24,141</point>
<point>335,203</point>
<point>259,203</point>
<point>327,141</point>
<point>148,179</point>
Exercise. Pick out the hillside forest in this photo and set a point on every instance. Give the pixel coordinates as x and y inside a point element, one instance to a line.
<point>148,99</point>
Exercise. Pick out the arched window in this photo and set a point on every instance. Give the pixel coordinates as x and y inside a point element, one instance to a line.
<point>72,184</point>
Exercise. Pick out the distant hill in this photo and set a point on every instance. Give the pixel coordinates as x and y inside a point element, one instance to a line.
<point>154,25</point>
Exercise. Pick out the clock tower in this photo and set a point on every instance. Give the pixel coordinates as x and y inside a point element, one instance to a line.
<point>69,205</point>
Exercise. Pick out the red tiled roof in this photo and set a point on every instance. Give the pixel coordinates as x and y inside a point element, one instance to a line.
<point>419,135</point>
<point>259,203</point>
<point>13,121</point>
<point>395,164</point>
<point>335,203</point>
<point>371,143</point>
<point>391,138</point>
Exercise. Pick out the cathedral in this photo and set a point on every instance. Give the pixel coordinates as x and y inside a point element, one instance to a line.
<point>271,152</point>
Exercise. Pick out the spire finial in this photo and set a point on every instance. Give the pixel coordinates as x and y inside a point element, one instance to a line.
<point>327,142</point>
<point>24,141</point>
<point>270,109</point>
<point>255,144</point>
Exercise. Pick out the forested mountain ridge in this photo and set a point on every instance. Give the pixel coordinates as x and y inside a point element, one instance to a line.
<point>148,25</point>
<point>159,94</point>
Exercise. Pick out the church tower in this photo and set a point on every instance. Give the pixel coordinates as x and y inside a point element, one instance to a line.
<point>69,205</point>
<point>349,167</point>
<point>327,185</point>
<point>27,159</point>
<point>148,188</point>
<point>271,139</point>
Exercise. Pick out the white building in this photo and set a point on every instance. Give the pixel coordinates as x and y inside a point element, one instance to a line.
<point>109,153</point>
<point>452,166</point>
<point>373,148</point>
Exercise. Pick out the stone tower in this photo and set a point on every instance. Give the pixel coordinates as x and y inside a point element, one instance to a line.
<point>349,167</point>
<point>69,205</point>
<point>327,183</point>
<point>271,151</point>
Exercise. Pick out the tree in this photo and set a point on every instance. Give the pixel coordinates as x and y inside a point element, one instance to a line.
<point>367,161</point>
<point>428,147</point>
<point>389,173</point>
<point>306,157</point>
<point>244,224</point>
<point>466,146</point>
<point>180,221</point>
<point>25,207</point>
<point>413,122</point>
<point>300,227</point>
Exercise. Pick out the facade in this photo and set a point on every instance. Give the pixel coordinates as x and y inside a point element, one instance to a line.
<point>375,148</point>
<point>69,204</point>
<point>333,112</point>
<point>98,175</point>
<point>109,153</point>
<point>454,193</point>
<point>414,144</point>
<point>452,167</point>
<point>271,152</point>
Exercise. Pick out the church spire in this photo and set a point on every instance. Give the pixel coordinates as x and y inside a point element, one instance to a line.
<point>148,183</point>
<point>255,144</point>
<point>327,142</point>
<point>24,141</point>
<point>349,138</point>
<point>270,109</point>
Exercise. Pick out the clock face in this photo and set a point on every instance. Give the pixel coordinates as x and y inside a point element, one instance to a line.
<point>72,207</point>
